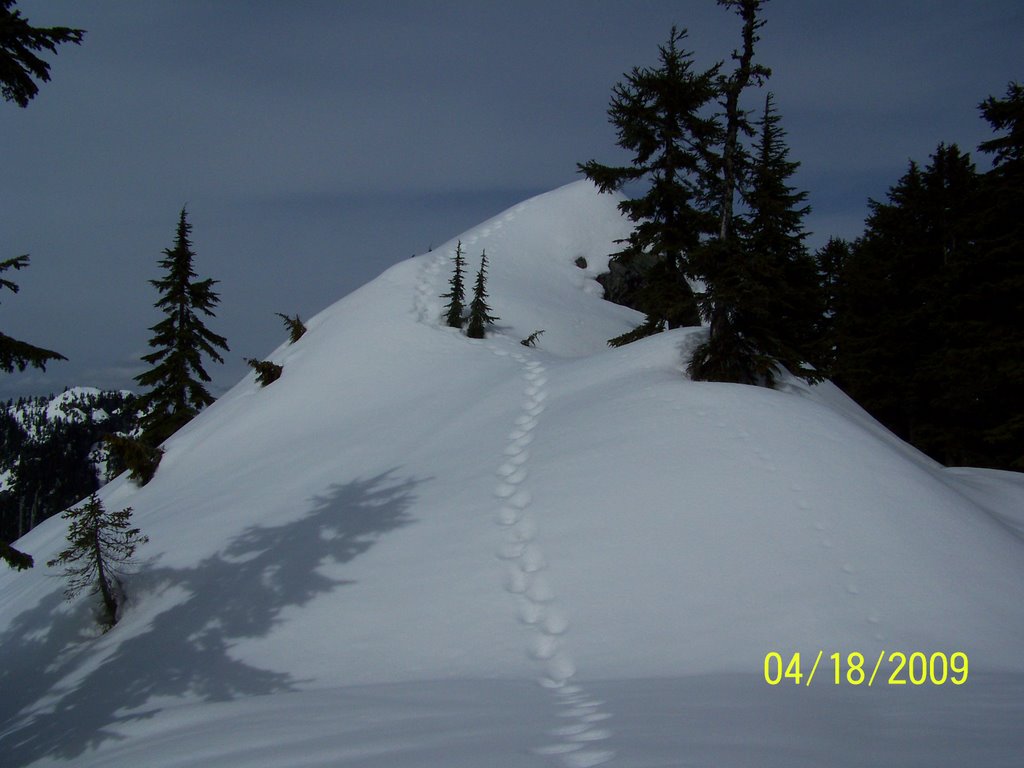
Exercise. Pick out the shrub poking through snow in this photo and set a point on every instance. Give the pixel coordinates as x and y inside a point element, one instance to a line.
<point>101,545</point>
<point>531,340</point>
<point>294,326</point>
<point>138,457</point>
<point>266,371</point>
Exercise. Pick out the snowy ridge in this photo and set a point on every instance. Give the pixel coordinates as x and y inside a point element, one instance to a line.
<point>374,560</point>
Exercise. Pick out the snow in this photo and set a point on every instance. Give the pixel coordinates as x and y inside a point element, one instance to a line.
<point>415,549</point>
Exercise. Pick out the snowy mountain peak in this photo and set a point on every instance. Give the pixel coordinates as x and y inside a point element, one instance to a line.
<point>372,560</point>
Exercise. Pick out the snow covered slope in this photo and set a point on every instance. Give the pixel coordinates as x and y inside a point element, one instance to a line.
<point>372,561</point>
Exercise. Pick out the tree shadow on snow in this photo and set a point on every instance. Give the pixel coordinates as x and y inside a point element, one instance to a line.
<point>66,690</point>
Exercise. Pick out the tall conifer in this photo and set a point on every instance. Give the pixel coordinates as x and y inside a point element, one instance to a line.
<point>176,380</point>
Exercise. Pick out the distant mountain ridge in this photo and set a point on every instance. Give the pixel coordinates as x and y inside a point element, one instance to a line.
<point>50,452</point>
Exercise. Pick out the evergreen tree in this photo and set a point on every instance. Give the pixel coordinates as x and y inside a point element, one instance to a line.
<point>176,380</point>
<point>101,546</point>
<point>457,294</point>
<point>16,354</point>
<point>14,558</point>
<point>730,353</point>
<point>831,261</point>
<point>660,115</point>
<point>294,326</point>
<point>479,312</point>
<point>773,296</point>
<point>899,303</point>
<point>18,64</point>
<point>990,340</point>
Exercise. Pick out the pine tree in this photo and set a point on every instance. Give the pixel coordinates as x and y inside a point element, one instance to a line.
<point>16,354</point>
<point>101,546</point>
<point>479,312</point>
<point>176,380</point>
<point>720,262</point>
<point>661,119</point>
<point>773,294</point>
<point>457,294</point>
<point>18,64</point>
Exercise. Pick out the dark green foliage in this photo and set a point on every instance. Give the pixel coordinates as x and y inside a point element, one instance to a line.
<point>18,64</point>
<point>660,118</point>
<point>927,329</point>
<point>649,327</point>
<point>657,114</point>
<point>139,458</point>
<point>294,327</point>
<point>101,545</point>
<point>52,456</point>
<point>531,340</point>
<point>266,371</point>
<point>767,289</point>
<point>457,292</point>
<point>176,380</point>
<point>16,354</point>
<point>479,313</point>
<point>17,560</point>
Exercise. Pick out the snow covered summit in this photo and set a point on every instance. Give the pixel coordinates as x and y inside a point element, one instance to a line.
<point>374,560</point>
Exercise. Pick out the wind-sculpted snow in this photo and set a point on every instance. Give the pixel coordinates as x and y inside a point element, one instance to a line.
<point>419,550</point>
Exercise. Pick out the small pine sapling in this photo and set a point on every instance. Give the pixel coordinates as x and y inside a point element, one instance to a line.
<point>479,312</point>
<point>101,546</point>
<point>294,327</point>
<point>531,340</point>
<point>457,294</point>
<point>266,371</point>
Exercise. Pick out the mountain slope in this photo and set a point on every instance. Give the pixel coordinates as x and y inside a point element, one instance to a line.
<point>362,563</point>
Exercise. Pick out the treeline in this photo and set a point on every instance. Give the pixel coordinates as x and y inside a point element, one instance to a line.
<point>927,306</point>
<point>920,319</point>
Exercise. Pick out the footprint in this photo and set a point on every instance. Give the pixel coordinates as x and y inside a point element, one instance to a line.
<point>588,759</point>
<point>530,613</point>
<point>540,591</point>
<point>555,623</point>
<point>543,647</point>
<point>504,490</point>
<point>569,730</point>
<point>516,581</point>
<point>521,499</point>
<point>596,734</point>
<point>532,561</point>
<point>557,749</point>
<point>508,516</point>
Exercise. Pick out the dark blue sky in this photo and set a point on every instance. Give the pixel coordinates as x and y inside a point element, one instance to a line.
<point>317,143</point>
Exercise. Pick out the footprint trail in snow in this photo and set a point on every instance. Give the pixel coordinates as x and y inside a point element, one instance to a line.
<point>576,738</point>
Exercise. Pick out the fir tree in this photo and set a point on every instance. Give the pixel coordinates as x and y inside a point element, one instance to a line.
<point>721,262</point>
<point>18,64</point>
<point>773,294</point>
<point>660,115</point>
<point>457,294</point>
<point>479,312</point>
<point>176,380</point>
<point>16,354</point>
<point>101,545</point>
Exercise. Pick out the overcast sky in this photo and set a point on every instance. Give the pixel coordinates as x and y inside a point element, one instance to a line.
<point>316,143</point>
